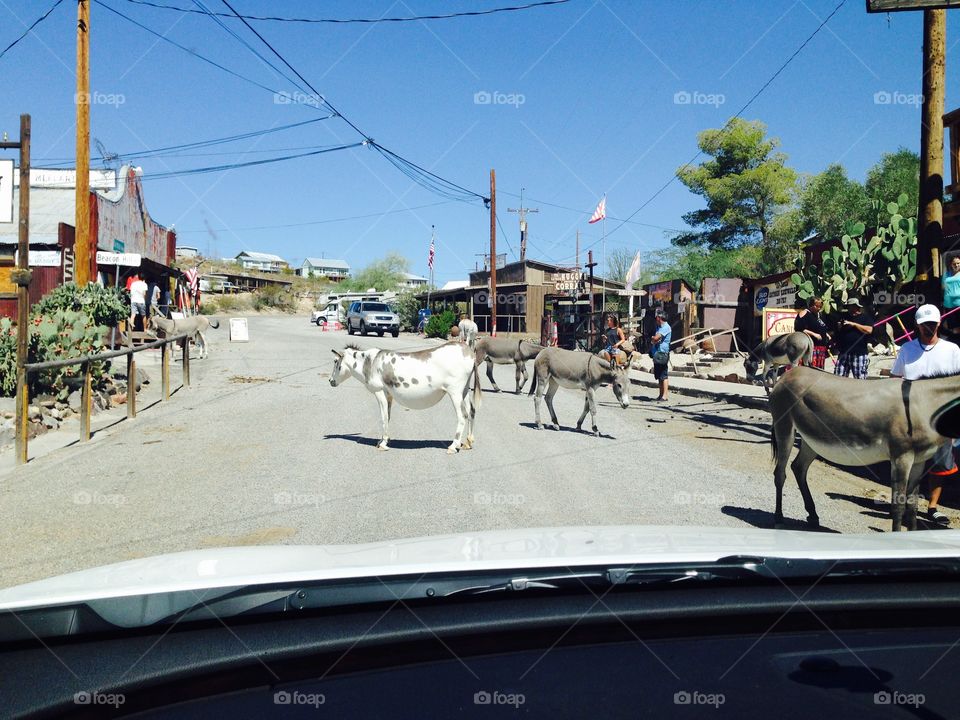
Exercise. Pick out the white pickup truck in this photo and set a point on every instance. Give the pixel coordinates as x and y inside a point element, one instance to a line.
<point>333,312</point>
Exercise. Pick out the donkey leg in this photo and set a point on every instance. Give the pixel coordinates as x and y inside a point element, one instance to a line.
<point>551,391</point>
<point>783,434</point>
<point>521,371</point>
<point>468,412</point>
<point>384,402</point>
<point>913,484</point>
<point>900,469</point>
<point>592,399</point>
<point>586,409</point>
<point>800,465</point>
<point>493,382</point>
<point>461,425</point>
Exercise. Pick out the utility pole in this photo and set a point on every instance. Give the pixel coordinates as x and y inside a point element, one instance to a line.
<point>21,278</point>
<point>591,264</point>
<point>82,217</point>
<point>493,253</point>
<point>931,147</point>
<point>523,224</point>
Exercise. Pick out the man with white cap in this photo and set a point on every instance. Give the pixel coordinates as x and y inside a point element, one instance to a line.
<point>928,356</point>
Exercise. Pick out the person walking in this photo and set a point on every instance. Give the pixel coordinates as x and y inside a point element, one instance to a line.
<point>853,331</point>
<point>929,355</point>
<point>138,302</point>
<point>809,322</point>
<point>660,352</point>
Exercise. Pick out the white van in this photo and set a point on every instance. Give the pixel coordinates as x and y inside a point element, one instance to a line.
<point>333,312</point>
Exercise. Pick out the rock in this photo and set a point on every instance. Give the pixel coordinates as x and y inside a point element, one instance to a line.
<point>7,414</point>
<point>56,413</point>
<point>73,401</point>
<point>119,399</point>
<point>111,389</point>
<point>48,404</point>
<point>51,422</point>
<point>61,405</point>
<point>8,423</point>
<point>33,413</point>
<point>7,436</point>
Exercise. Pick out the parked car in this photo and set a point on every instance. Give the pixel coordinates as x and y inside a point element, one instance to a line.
<point>364,317</point>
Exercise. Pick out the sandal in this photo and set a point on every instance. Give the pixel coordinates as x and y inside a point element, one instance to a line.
<point>938,517</point>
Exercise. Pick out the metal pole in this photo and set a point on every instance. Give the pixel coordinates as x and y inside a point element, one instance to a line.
<point>493,253</point>
<point>931,145</point>
<point>82,215</point>
<point>186,364</point>
<point>22,279</point>
<point>131,385</point>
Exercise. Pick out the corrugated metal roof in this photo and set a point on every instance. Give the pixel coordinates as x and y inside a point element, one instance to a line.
<point>327,263</point>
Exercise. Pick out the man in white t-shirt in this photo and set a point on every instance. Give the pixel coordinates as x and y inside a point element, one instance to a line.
<point>927,356</point>
<point>138,301</point>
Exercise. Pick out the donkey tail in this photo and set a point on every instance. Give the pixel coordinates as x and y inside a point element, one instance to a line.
<point>533,385</point>
<point>215,324</point>
<point>477,394</point>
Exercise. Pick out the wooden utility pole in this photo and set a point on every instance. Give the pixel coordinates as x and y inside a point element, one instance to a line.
<point>21,278</point>
<point>493,253</point>
<point>931,146</point>
<point>578,248</point>
<point>591,264</point>
<point>523,224</point>
<point>82,217</point>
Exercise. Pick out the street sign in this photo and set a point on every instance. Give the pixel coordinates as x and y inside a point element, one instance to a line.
<point>567,280</point>
<point>6,191</point>
<point>112,258</point>
<point>882,6</point>
<point>118,245</point>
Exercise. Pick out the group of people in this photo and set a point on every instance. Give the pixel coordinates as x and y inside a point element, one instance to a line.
<point>850,336</point>
<point>615,342</point>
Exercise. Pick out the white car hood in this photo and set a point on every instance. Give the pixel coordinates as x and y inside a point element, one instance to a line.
<point>198,570</point>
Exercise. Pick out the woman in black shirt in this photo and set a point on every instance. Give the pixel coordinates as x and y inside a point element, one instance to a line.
<point>809,321</point>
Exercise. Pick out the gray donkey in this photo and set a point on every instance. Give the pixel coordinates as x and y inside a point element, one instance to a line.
<point>194,325</point>
<point>787,349</point>
<point>854,422</point>
<point>504,351</point>
<point>555,367</point>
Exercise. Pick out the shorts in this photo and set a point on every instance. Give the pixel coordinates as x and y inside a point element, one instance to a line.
<point>138,309</point>
<point>819,356</point>
<point>660,372</point>
<point>856,365</point>
<point>943,462</point>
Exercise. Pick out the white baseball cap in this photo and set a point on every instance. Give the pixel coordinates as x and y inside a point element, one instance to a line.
<point>927,314</point>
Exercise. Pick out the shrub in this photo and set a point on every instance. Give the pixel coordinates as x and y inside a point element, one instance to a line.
<point>276,297</point>
<point>439,325</point>
<point>407,307</point>
<point>209,306</point>
<point>232,303</point>
<point>104,305</point>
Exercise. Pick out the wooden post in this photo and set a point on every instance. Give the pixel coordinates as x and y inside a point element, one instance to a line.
<point>22,279</point>
<point>81,246</point>
<point>86,407</point>
<point>931,145</point>
<point>493,253</point>
<point>165,369</point>
<point>186,364</point>
<point>131,385</point>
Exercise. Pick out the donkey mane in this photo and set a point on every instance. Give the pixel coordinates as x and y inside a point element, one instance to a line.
<point>938,376</point>
<point>351,346</point>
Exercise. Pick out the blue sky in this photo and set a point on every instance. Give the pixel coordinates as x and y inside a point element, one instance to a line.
<point>587,104</point>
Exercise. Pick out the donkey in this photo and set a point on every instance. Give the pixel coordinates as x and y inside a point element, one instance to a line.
<point>417,380</point>
<point>504,351</point>
<point>788,349</point>
<point>195,325</point>
<point>555,367</point>
<point>850,422</point>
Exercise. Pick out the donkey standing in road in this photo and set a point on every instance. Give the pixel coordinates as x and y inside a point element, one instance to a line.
<point>416,380</point>
<point>504,351</point>
<point>555,367</point>
<point>787,349</point>
<point>853,422</point>
<point>193,325</point>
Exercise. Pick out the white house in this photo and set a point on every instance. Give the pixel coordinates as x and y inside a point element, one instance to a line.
<point>185,251</point>
<point>414,282</point>
<point>324,267</point>
<point>265,262</point>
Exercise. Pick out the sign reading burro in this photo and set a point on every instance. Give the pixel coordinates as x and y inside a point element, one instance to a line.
<point>112,258</point>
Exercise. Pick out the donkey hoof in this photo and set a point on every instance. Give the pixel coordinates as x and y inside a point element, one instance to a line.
<point>383,447</point>
<point>452,451</point>
<point>813,521</point>
<point>596,432</point>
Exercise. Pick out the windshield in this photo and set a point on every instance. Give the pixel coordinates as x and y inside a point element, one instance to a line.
<point>674,265</point>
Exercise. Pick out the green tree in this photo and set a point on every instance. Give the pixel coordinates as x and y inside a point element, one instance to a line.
<point>693,264</point>
<point>895,174</point>
<point>384,274</point>
<point>619,261</point>
<point>830,200</point>
<point>744,182</point>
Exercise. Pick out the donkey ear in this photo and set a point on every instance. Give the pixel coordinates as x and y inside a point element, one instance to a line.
<point>337,353</point>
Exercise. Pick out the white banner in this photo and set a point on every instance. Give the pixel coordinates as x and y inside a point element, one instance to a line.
<point>53,178</point>
<point>41,258</point>
<point>6,191</point>
<point>112,258</point>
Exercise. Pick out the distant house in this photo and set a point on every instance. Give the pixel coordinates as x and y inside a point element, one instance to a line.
<point>414,282</point>
<point>264,262</point>
<point>185,251</point>
<point>324,267</point>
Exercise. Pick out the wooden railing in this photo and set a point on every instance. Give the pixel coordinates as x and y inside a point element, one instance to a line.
<point>86,362</point>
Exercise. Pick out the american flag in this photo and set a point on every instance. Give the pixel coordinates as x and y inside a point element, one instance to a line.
<point>193,280</point>
<point>433,252</point>
<point>601,212</point>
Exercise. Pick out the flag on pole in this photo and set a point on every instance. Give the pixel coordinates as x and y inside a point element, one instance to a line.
<point>433,252</point>
<point>633,274</point>
<point>601,212</point>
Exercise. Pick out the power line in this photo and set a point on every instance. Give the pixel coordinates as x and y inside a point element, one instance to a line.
<point>344,21</point>
<point>249,163</point>
<point>503,234</point>
<point>30,29</point>
<point>216,141</point>
<point>323,222</point>
<point>588,212</point>
<point>737,115</point>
